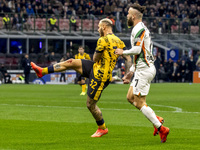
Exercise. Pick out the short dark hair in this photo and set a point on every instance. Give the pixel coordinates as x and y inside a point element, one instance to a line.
<point>138,7</point>
<point>81,47</point>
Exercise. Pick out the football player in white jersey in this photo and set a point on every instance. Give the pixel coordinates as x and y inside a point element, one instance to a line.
<point>143,66</point>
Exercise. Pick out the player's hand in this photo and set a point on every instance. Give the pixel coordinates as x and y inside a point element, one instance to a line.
<point>126,81</point>
<point>119,51</point>
<point>127,78</point>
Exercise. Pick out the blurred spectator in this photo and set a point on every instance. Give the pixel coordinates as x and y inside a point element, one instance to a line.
<point>73,23</point>
<point>190,68</point>
<point>36,12</point>
<point>6,9</point>
<point>161,73</point>
<point>107,9</point>
<point>52,22</point>
<point>6,21</point>
<point>185,56</point>
<point>157,65</point>
<point>1,9</point>
<point>18,8</point>
<point>11,5</point>
<point>175,72</point>
<point>160,26</point>
<point>154,26</point>
<point>68,56</point>
<point>41,12</point>
<point>28,23</point>
<point>27,67</point>
<point>17,22</point>
<point>5,74</point>
<point>52,59</point>
<point>118,25</point>
<point>185,25</point>
<point>167,28</point>
<point>62,75</point>
<point>112,8</point>
<point>49,10</point>
<point>197,56</point>
<point>79,12</point>
<point>23,4</point>
<point>198,65</point>
<point>169,68</point>
<point>159,57</point>
<point>182,68</point>
<point>30,11</point>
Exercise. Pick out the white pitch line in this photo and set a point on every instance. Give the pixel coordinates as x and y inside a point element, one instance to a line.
<point>66,107</point>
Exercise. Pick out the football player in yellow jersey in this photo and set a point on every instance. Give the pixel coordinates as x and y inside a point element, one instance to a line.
<point>99,71</point>
<point>81,79</point>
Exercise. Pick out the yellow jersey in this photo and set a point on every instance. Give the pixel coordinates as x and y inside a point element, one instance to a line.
<point>84,56</point>
<point>107,45</point>
<point>6,20</point>
<point>53,21</point>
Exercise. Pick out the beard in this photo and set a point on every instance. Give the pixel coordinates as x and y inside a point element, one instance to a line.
<point>101,32</point>
<point>129,22</point>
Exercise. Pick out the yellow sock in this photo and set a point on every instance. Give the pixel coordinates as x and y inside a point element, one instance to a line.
<point>83,87</point>
<point>45,71</point>
<point>103,126</point>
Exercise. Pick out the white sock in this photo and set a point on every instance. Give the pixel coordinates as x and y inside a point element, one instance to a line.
<point>149,113</point>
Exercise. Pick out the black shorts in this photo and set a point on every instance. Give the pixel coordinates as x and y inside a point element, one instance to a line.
<point>95,86</point>
<point>79,77</point>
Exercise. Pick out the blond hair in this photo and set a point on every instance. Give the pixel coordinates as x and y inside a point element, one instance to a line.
<point>107,22</point>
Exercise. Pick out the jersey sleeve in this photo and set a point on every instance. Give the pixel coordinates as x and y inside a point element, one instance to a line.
<point>76,56</point>
<point>139,37</point>
<point>101,44</point>
<point>87,57</point>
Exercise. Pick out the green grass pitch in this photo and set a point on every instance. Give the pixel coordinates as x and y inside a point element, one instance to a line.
<point>55,117</point>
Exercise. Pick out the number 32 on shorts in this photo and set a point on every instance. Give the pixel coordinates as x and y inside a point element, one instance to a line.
<point>92,85</point>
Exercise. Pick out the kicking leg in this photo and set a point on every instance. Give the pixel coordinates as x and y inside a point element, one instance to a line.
<point>75,64</point>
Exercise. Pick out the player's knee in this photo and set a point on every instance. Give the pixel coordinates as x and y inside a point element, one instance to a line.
<point>130,99</point>
<point>69,61</point>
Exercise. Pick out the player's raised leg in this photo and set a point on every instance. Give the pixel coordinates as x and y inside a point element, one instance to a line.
<point>97,114</point>
<point>75,64</point>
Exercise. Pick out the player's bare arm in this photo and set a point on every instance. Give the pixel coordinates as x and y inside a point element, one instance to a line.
<point>128,62</point>
<point>97,56</point>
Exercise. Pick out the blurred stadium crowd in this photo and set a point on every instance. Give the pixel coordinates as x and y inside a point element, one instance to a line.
<point>161,16</point>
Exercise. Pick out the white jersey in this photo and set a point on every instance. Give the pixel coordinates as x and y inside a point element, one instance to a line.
<point>140,36</point>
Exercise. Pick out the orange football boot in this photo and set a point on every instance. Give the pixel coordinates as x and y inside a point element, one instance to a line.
<point>155,129</point>
<point>37,69</point>
<point>164,131</point>
<point>100,132</point>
